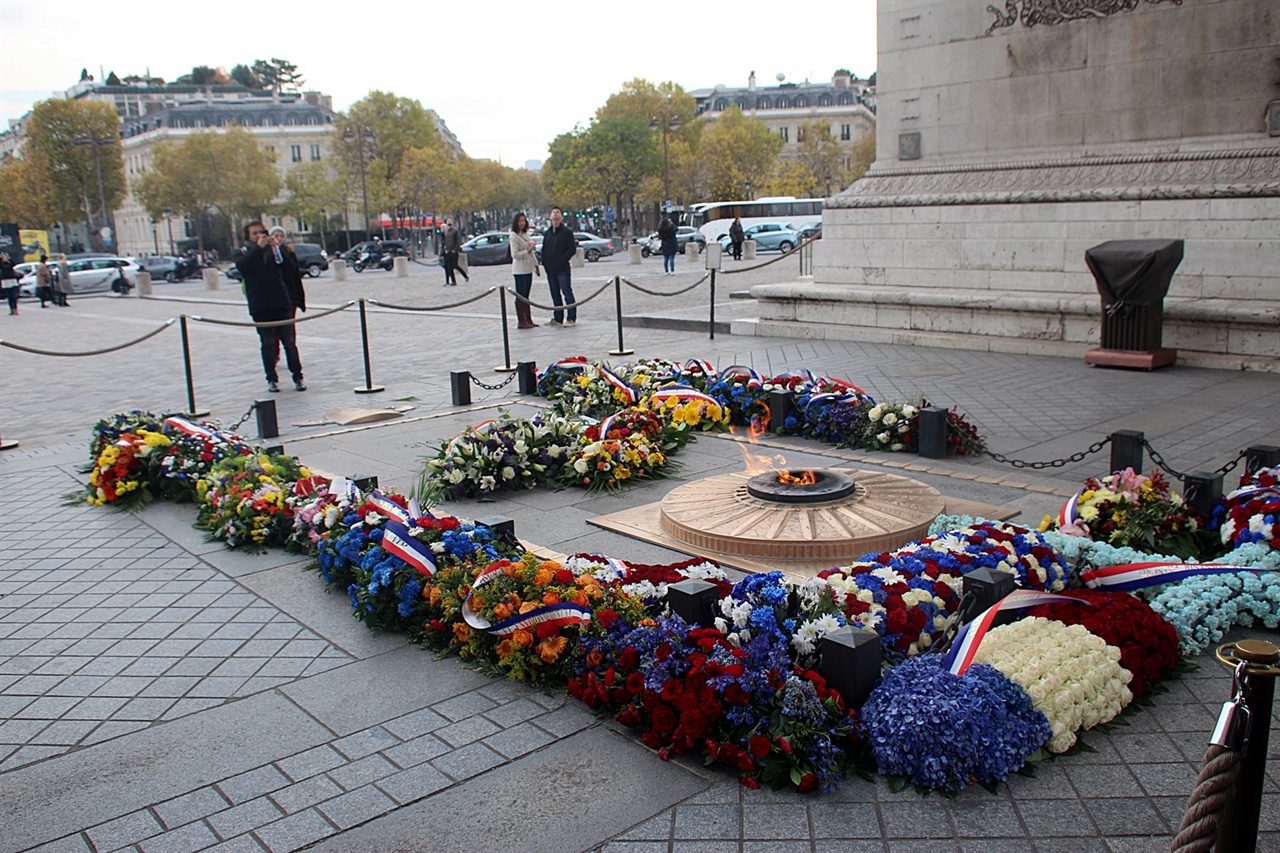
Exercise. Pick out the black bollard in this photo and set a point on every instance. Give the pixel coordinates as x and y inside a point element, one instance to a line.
<point>712,324</point>
<point>365,482</point>
<point>1126,450</point>
<point>460,385</point>
<point>781,404</point>
<point>369,387</point>
<point>693,601</point>
<point>265,411</point>
<point>1238,824</point>
<point>617,298</point>
<point>987,587</point>
<point>192,411</point>
<point>506,336</point>
<point>933,433</point>
<point>274,449</point>
<point>1202,491</point>
<point>527,377</point>
<point>851,662</point>
<point>1259,456</point>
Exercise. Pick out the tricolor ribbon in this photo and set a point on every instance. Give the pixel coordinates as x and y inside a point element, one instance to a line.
<point>396,540</point>
<point>388,507</point>
<point>612,378</point>
<point>741,372</point>
<point>577,362</point>
<point>694,365</point>
<point>965,647</point>
<point>561,614</point>
<point>1069,513</point>
<point>1250,491</point>
<point>1131,576</point>
<point>192,428</point>
<point>791,377</point>
<point>606,425</point>
<point>683,393</point>
<point>849,386</point>
<point>827,398</point>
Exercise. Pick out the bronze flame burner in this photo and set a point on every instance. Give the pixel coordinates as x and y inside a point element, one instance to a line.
<point>829,485</point>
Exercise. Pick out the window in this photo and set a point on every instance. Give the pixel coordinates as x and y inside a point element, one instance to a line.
<point>786,134</point>
<point>274,221</point>
<point>741,102</point>
<point>295,153</point>
<point>801,101</point>
<point>266,121</point>
<point>720,105</point>
<point>846,133</point>
<point>271,148</point>
<point>844,99</point>
<point>824,100</point>
<point>315,150</point>
<point>763,103</point>
<point>784,102</point>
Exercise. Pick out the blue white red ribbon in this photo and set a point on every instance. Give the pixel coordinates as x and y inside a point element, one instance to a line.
<point>577,362</point>
<point>697,365</point>
<point>193,429</point>
<point>560,615</point>
<point>388,507</point>
<point>742,373</point>
<point>849,386</point>
<point>791,377</point>
<point>606,425</point>
<point>1131,576</point>
<point>965,647</point>
<point>683,393</point>
<point>396,540</point>
<point>612,378</point>
<point>1069,514</point>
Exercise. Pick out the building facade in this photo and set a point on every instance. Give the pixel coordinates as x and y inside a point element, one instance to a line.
<point>846,104</point>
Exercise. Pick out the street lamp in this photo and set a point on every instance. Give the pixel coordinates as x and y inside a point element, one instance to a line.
<point>749,195</point>
<point>666,123</point>
<point>155,235</point>
<point>362,134</point>
<point>168,215</point>
<point>97,143</point>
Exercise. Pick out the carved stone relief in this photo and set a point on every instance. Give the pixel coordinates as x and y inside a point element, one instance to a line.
<point>1052,12</point>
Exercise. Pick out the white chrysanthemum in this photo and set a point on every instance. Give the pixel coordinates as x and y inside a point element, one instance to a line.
<point>888,575</point>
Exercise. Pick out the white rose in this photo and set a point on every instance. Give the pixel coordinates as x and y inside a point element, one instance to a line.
<point>508,473</point>
<point>580,465</point>
<point>909,411</point>
<point>890,419</point>
<point>876,413</point>
<point>896,446</point>
<point>883,438</point>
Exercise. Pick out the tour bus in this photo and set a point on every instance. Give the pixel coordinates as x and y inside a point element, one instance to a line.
<point>714,218</point>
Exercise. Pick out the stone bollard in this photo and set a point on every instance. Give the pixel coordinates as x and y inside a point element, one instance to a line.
<point>339,268</point>
<point>578,260</point>
<point>692,248</point>
<point>144,283</point>
<point>633,255</point>
<point>211,276</point>
<point>401,265</point>
<point>749,250</point>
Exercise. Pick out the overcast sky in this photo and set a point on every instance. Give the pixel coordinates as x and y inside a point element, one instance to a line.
<point>506,77</point>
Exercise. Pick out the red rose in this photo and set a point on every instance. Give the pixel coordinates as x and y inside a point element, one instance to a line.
<point>635,684</point>
<point>547,630</point>
<point>663,651</point>
<point>663,720</point>
<point>564,577</point>
<point>895,621</point>
<point>629,658</point>
<point>784,745</point>
<point>749,782</point>
<point>808,783</point>
<point>735,695</point>
<point>759,746</point>
<point>607,617</point>
<point>693,724</point>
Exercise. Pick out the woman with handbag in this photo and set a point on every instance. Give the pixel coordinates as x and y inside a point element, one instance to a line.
<point>524,264</point>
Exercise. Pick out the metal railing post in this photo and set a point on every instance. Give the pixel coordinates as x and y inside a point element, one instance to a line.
<point>186,365</point>
<point>712,323</point>
<point>369,387</point>
<point>617,296</point>
<point>506,366</point>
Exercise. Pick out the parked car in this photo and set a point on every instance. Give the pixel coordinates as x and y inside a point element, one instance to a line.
<point>651,245</point>
<point>769,236</point>
<point>88,275</point>
<point>810,231</point>
<point>488,248</point>
<point>359,249</point>
<point>593,246</point>
<point>159,266</point>
<point>312,260</point>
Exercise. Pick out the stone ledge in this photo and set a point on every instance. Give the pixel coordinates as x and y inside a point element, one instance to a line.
<point>979,342</point>
<point>1240,311</point>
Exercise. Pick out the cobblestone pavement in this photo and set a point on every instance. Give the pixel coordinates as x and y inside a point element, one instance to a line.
<point>158,692</point>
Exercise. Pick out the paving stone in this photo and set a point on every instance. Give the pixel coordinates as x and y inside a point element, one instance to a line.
<point>1125,816</point>
<point>703,822</point>
<point>70,844</point>
<point>356,806</point>
<point>849,847</point>
<point>564,721</point>
<point>466,731</point>
<point>295,831</point>
<point>634,847</point>
<point>778,845</point>
<point>258,781</point>
<point>517,741</point>
<point>514,712</point>
<point>305,794</point>
<point>187,839</point>
<point>419,722</point>
<point>988,818</point>
<point>359,773</point>
<point>922,820</point>
<point>418,750</point>
<point>654,829</point>
<point>121,832</point>
<point>239,844</point>
<point>188,807</point>
<point>844,820</point>
<point>311,762</point>
<point>1054,818</point>
<point>464,707</point>
<point>245,817</point>
<point>365,743</point>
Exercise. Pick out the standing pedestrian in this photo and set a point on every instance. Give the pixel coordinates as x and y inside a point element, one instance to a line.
<point>9,282</point>
<point>667,236</point>
<point>61,281</point>
<point>297,293</point>
<point>451,245</point>
<point>558,249</point>
<point>44,281</point>
<point>736,237</point>
<point>265,268</point>
<point>524,263</point>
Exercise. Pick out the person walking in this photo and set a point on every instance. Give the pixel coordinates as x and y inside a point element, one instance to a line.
<point>451,245</point>
<point>9,281</point>
<point>736,237</point>
<point>558,249</point>
<point>524,263</point>
<point>667,237</point>
<point>44,281</point>
<point>265,268</point>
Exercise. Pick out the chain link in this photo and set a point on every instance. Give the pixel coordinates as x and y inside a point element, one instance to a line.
<point>1159,460</point>
<point>236,426</point>
<point>1056,463</point>
<point>503,384</point>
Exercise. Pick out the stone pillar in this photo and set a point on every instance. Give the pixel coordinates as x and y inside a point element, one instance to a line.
<point>692,248</point>
<point>211,276</point>
<point>401,265</point>
<point>749,250</point>
<point>633,254</point>
<point>144,283</point>
<point>578,260</point>
<point>339,267</point>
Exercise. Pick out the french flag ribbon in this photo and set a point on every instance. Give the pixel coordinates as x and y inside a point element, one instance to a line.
<point>841,383</point>
<point>396,540</point>
<point>965,647</point>
<point>559,615</point>
<point>697,365</point>
<point>612,379</point>
<point>790,377</point>
<point>192,428</point>
<point>741,372</point>
<point>577,362</point>
<point>388,507</point>
<point>829,397</point>
<point>682,393</point>
<point>606,425</point>
<point>1068,514</point>
<point>1250,491</point>
<point>1138,575</point>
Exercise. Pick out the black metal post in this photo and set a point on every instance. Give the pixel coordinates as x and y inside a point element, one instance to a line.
<point>1126,450</point>
<point>265,411</point>
<point>1260,456</point>
<point>932,443</point>
<point>186,364</point>
<point>369,387</point>
<point>712,324</point>
<point>1238,825</point>
<point>850,662</point>
<point>527,377</point>
<point>460,386</point>
<point>693,601</point>
<point>617,298</point>
<point>365,482</point>
<point>1202,490</point>
<point>507,366</point>
<point>781,404</point>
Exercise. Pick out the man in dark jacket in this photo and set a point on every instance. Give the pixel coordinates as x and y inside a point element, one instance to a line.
<point>265,267</point>
<point>452,244</point>
<point>558,249</point>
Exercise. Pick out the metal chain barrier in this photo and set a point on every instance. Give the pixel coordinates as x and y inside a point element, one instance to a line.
<point>235,426</point>
<point>271,324</point>
<point>773,260</point>
<point>632,284</point>
<point>1056,463</point>
<point>602,289</point>
<point>35,351</point>
<point>467,301</point>
<point>1159,460</point>
<point>503,384</point>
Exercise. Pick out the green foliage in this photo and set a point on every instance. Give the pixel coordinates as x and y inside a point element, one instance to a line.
<point>24,198</point>
<point>244,75</point>
<point>53,150</point>
<point>279,75</point>
<point>734,150</point>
